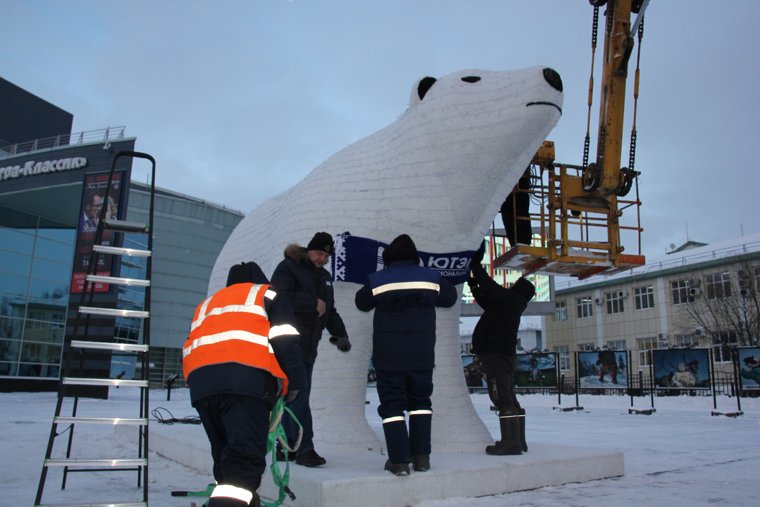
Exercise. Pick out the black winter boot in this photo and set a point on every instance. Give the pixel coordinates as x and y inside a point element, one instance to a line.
<point>421,462</point>
<point>510,436</point>
<point>522,430</point>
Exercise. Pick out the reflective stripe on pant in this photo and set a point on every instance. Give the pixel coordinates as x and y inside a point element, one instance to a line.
<point>420,422</point>
<point>399,392</point>
<point>226,495</point>
<point>397,439</point>
<point>237,428</point>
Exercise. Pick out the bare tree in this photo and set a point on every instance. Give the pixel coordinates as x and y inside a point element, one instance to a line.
<point>727,309</point>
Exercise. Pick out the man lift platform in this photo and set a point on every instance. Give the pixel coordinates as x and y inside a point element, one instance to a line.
<point>584,209</point>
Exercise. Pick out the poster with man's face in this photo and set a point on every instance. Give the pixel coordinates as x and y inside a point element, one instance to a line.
<point>94,199</point>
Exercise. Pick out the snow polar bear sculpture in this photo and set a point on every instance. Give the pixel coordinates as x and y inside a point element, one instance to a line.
<point>438,173</point>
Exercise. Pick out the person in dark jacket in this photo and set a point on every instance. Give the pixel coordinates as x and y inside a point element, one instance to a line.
<point>242,352</point>
<point>607,363</point>
<point>515,212</point>
<point>404,296</point>
<point>302,278</point>
<point>494,341</point>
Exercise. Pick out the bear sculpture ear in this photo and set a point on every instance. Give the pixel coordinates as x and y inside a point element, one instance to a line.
<point>421,88</point>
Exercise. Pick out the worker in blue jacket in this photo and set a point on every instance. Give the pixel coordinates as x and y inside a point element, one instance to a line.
<point>404,296</point>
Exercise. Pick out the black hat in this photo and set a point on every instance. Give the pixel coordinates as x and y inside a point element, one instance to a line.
<point>321,241</point>
<point>526,289</point>
<point>401,249</point>
<point>246,272</point>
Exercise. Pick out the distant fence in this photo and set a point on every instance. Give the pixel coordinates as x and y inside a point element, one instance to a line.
<point>639,386</point>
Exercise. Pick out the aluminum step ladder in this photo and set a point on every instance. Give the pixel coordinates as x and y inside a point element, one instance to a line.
<point>76,350</point>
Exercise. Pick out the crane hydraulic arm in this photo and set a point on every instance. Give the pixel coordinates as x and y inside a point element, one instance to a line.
<point>605,177</point>
<point>582,206</point>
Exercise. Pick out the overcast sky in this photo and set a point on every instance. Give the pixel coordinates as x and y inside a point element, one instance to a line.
<point>239,100</point>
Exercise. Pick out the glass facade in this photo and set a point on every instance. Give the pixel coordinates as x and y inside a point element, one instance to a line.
<point>36,259</point>
<point>35,270</point>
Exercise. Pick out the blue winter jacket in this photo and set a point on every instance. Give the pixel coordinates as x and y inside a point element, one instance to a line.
<point>404,296</point>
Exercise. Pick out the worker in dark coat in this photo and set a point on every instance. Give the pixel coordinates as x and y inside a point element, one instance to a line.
<point>494,341</point>
<point>515,212</point>
<point>404,296</point>
<point>241,353</point>
<point>302,278</point>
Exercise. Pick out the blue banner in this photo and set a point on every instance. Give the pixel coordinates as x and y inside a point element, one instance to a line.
<point>356,257</point>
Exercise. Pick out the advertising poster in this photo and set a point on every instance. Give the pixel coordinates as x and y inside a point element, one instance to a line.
<point>681,368</point>
<point>603,369</point>
<point>93,200</point>
<point>749,367</point>
<point>538,369</point>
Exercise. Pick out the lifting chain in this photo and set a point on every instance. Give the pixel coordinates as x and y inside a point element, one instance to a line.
<point>630,173</point>
<point>634,132</point>
<point>594,36</point>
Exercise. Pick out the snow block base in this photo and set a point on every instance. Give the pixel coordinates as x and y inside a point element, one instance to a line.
<point>357,479</point>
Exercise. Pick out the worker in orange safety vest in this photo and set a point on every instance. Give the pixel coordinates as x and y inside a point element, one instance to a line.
<point>241,354</point>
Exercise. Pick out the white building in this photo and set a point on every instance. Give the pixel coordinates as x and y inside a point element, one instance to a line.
<point>696,297</point>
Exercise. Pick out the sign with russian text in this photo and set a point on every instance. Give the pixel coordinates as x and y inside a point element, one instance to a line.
<point>355,258</point>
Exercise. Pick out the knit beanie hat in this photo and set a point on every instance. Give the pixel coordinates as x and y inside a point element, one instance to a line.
<point>321,241</point>
<point>401,249</point>
<point>246,272</point>
<point>526,289</point>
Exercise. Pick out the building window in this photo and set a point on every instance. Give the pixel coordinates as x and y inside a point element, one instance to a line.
<point>586,346</point>
<point>616,344</point>
<point>615,301</point>
<point>560,310</point>
<point>645,345</point>
<point>563,351</point>
<point>685,340</point>
<point>718,285</point>
<point>679,290</point>
<point>722,350</point>
<point>745,281</point>
<point>644,297</point>
<point>584,307</point>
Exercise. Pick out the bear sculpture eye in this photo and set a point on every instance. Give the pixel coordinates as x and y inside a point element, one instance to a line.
<point>471,79</point>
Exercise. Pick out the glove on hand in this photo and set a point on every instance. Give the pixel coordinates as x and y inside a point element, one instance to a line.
<point>341,342</point>
<point>479,253</point>
<point>292,393</point>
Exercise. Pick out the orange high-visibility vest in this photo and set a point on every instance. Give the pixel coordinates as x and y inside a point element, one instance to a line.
<point>232,327</point>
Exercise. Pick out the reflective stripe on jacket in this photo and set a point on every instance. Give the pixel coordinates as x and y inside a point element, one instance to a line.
<point>232,327</point>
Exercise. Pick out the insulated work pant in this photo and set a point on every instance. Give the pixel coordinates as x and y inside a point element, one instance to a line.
<point>500,377</point>
<point>237,428</point>
<point>409,391</point>
<point>302,410</point>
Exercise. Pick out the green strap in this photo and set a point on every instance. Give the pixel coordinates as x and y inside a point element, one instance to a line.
<point>277,434</point>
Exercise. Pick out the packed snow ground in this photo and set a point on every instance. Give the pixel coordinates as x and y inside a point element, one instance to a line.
<point>680,455</point>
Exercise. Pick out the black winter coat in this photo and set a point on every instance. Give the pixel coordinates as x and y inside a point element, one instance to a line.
<point>404,296</point>
<point>496,331</point>
<point>303,283</point>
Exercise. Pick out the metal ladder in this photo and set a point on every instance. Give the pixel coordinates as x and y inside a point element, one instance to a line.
<point>81,341</point>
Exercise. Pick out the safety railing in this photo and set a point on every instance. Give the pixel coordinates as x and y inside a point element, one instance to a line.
<point>90,136</point>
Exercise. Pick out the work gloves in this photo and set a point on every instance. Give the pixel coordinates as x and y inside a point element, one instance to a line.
<point>477,257</point>
<point>341,342</point>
